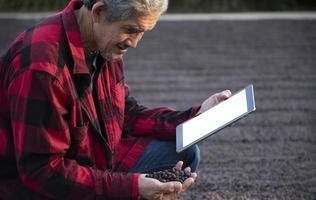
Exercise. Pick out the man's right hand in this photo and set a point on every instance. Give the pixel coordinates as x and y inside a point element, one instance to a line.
<point>152,189</point>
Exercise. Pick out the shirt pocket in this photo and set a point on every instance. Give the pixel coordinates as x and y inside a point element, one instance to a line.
<point>78,133</point>
<point>79,144</point>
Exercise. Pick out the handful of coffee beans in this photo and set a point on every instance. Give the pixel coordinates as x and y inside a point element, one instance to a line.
<point>168,175</point>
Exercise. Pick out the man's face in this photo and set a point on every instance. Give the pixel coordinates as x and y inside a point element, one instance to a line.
<point>114,38</point>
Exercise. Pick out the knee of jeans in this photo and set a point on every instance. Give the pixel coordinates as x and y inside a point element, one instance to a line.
<point>194,157</point>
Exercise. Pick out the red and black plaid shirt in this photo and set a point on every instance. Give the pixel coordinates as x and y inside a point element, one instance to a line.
<point>51,143</point>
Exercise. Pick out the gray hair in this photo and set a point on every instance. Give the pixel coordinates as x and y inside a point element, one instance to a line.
<point>125,9</point>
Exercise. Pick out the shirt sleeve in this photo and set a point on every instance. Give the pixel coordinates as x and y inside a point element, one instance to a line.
<point>159,123</point>
<point>41,140</point>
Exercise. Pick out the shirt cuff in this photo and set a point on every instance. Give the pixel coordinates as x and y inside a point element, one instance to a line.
<point>135,194</point>
<point>194,111</point>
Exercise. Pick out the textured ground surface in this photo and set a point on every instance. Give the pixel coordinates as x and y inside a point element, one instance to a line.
<point>271,154</point>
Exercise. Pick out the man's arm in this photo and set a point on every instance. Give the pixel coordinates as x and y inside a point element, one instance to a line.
<point>159,122</point>
<point>41,139</point>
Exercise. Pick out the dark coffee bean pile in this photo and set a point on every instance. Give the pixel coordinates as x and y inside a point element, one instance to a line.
<point>168,175</point>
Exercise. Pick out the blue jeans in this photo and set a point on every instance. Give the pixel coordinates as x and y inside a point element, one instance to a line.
<point>160,155</point>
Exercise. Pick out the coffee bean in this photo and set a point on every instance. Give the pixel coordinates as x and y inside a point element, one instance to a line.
<point>168,175</point>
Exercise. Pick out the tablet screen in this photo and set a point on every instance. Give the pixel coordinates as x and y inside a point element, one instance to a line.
<point>216,118</point>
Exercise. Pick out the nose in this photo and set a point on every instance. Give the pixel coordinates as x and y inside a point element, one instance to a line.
<point>134,39</point>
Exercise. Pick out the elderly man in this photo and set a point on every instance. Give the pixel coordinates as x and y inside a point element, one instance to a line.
<point>69,127</point>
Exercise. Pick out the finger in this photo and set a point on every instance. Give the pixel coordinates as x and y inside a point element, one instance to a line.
<point>188,169</point>
<point>227,93</point>
<point>169,196</point>
<point>179,165</point>
<point>194,175</point>
<point>187,183</point>
<point>177,187</point>
<point>222,96</point>
<point>158,196</point>
<point>170,187</point>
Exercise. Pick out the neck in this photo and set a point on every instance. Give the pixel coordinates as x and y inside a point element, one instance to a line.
<point>85,23</point>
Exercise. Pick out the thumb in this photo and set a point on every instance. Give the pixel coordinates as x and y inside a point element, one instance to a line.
<point>224,95</point>
<point>227,93</point>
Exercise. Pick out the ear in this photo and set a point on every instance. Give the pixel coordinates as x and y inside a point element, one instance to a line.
<point>98,12</point>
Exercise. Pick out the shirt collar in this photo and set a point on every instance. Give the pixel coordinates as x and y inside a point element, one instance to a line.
<point>74,37</point>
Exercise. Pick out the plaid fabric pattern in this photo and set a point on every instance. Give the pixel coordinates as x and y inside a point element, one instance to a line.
<point>51,144</point>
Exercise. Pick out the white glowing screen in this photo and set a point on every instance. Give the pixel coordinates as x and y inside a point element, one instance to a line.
<point>211,120</point>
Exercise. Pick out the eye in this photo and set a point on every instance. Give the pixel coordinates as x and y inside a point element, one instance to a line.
<point>132,30</point>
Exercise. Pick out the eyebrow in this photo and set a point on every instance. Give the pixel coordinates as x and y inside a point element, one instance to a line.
<point>135,28</point>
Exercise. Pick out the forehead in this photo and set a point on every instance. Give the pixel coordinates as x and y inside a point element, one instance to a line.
<point>144,22</point>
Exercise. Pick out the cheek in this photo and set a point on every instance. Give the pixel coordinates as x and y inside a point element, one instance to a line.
<point>117,41</point>
<point>101,37</point>
<point>108,41</point>
<point>104,43</point>
<point>121,38</point>
<point>98,39</point>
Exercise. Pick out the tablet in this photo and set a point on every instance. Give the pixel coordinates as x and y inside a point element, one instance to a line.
<point>215,119</point>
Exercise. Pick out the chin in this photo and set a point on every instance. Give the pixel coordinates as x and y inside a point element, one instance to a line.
<point>117,57</point>
<point>112,56</point>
